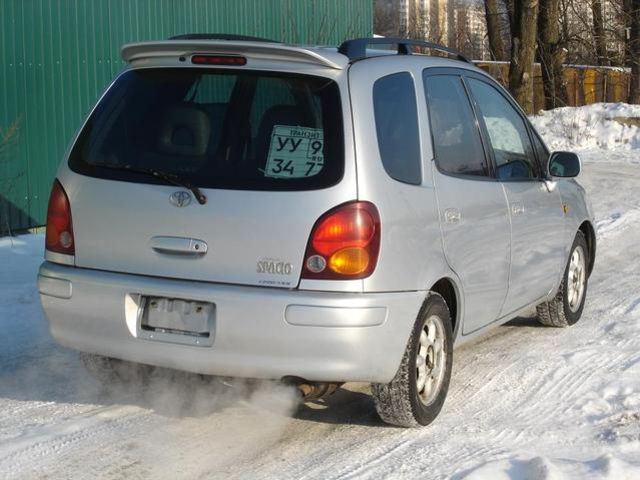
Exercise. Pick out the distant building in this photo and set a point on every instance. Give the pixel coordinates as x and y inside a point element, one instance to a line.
<point>425,19</point>
<point>444,21</point>
<point>471,32</point>
<point>579,28</point>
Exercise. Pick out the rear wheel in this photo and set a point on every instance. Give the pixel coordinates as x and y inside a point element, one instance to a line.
<point>566,307</point>
<point>417,392</point>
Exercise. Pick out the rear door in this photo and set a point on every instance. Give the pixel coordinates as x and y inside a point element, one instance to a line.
<point>537,216</point>
<point>267,150</point>
<point>473,208</point>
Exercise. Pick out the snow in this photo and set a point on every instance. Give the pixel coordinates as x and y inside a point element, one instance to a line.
<point>591,127</point>
<point>525,402</point>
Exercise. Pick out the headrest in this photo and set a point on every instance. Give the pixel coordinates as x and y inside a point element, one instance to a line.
<point>184,130</point>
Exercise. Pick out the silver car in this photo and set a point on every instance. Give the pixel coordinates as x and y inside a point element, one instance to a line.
<point>246,208</point>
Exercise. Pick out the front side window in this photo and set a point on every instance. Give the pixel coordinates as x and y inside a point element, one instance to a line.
<point>508,134</point>
<point>456,139</point>
<point>212,128</point>
<point>396,115</point>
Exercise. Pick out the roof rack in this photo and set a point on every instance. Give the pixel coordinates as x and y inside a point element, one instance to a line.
<point>221,36</point>
<point>356,49</point>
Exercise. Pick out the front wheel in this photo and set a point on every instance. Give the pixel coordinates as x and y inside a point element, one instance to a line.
<point>566,307</point>
<point>415,396</point>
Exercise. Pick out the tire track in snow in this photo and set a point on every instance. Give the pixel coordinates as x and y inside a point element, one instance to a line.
<point>368,465</point>
<point>567,387</point>
<point>476,385</point>
<point>18,456</point>
<point>471,456</point>
<point>563,386</point>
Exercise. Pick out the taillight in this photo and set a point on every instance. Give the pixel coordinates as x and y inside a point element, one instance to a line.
<point>59,225</point>
<point>344,243</point>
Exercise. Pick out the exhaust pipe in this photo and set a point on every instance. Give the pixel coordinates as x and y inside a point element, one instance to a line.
<point>310,391</point>
<point>317,390</point>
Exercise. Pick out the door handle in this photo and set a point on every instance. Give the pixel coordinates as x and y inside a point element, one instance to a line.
<point>452,215</point>
<point>517,209</point>
<point>178,245</point>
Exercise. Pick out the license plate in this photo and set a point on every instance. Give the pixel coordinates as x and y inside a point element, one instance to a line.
<point>177,320</point>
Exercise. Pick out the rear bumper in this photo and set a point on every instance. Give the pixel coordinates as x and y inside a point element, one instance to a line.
<point>257,332</point>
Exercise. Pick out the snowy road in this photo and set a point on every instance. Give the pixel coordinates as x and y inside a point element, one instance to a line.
<point>525,402</point>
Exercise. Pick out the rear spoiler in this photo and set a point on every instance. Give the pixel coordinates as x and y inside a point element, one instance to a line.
<point>262,50</point>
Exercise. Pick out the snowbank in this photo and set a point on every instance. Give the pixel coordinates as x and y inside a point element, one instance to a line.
<point>540,468</point>
<point>591,127</point>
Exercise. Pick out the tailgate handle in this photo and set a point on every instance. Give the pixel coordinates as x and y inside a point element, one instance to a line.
<point>178,245</point>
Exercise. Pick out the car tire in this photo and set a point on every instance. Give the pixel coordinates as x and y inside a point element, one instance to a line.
<point>408,400</point>
<point>566,307</point>
<point>109,370</point>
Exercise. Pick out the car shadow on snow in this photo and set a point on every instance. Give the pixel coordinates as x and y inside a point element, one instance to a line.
<point>349,405</point>
<point>524,322</point>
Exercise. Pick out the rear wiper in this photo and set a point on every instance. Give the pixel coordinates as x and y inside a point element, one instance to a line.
<point>170,178</point>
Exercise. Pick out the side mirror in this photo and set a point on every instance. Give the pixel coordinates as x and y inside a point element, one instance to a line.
<point>564,164</point>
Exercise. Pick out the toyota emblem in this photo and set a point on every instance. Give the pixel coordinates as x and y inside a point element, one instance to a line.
<point>180,198</point>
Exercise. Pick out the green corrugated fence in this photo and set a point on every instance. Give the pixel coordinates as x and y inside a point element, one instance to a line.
<point>57,56</point>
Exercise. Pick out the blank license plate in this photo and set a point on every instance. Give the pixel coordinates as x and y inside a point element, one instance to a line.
<point>178,317</point>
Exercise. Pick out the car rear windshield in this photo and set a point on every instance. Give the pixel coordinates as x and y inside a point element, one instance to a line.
<point>225,129</point>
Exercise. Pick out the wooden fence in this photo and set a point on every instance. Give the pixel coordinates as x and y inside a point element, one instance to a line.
<point>585,84</point>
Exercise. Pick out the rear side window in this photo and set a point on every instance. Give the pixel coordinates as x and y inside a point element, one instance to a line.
<point>456,139</point>
<point>216,129</point>
<point>396,115</point>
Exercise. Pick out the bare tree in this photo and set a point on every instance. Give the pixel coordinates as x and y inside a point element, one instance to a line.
<point>510,5</point>
<point>431,20</point>
<point>439,21</point>
<point>8,140</point>
<point>428,21</point>
<point>598,32</point>
<point>633,11</point>
<point>577,31</point>
<point>419,24</point>
<point>551,54</point>
<point>386,20</point>
<point>593,31</point>
<point>464,33</point>
<point>525,26</point>
<point>452,40</point>
<point>494,30</point>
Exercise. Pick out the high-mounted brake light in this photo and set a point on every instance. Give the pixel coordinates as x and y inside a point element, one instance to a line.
<point>218,60</point>
<point>344,243</point>
<point>59,236</point>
